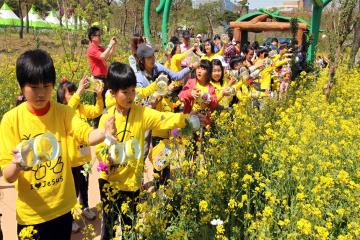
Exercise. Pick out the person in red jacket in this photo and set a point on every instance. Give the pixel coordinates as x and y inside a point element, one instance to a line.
<point>198,94</point>
<point>97,58</point>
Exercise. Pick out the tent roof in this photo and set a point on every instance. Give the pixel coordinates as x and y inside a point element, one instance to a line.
<point>35,20</point>
<point>52,19</point>
<point>7,17</point>
<point>272,14</point>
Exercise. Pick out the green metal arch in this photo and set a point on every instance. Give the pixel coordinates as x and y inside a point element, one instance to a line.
<point>164,8</point>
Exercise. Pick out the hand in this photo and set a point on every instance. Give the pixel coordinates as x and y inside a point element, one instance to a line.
<point>113,41</point>
<point>195,93</point>
<point>194,65</point>
<point>98,89</point>
<point>202,118</point>
<point>17,159</point>
<point>172,86</point>
<point>231,81</point>
<point>110,129</point>
<point>225,92</point>
<point>83,83</point>
<point>196,45</point>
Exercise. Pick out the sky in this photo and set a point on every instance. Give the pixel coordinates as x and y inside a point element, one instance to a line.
<point>264,3</point>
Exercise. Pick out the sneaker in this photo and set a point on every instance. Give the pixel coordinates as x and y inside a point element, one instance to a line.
<point>89,214</point>
<point>75,227</point>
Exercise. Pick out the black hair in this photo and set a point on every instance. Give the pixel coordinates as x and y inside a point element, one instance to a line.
<point>173,51</point>
<point>217,62</point>
<point>261,51</point>
<point>255,45</point>
<point>34,67</point>
<point>174,40</point>
<point>120,76</point>
<point>274,40</point>
<point>206,64</point>
<point>63,86</point>
<point>92,31</point>
<point>212,45</point>
<point>244,48</point>
<point>217,36</point>
<point>236,60</point>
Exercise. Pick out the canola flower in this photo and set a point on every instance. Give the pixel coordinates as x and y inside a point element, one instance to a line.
<point>27,233</point>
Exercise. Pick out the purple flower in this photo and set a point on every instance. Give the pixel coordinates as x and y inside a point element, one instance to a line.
<point>175,133</point>
<point>103,167</point>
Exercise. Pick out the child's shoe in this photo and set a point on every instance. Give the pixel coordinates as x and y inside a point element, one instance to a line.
<point>89,214</point>
<point>75,227</point>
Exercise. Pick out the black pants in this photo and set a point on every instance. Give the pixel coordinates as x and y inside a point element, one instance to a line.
<point>81,185</point>
<point>56,229</point>
<point>165,173</point>
<point>110,218</point>
<point>97,120</point>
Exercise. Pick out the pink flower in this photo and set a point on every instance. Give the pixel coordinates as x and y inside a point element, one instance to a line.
<point>103,167</point>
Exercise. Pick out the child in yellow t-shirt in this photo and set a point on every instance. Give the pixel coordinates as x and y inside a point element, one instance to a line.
<point>45,191</point>
<point>222,88</point>
<point>123,181</point>
<point>69,94</point>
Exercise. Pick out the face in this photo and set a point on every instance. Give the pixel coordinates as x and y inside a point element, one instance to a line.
<point>208,47</point>
<point>250,55</point>
<point>149,62</point>
<point>96,38</point>
<point>178,49</point>
<point>125,97</point>
<point>217,41</point>
<point>186,41</point>
<point>238,65</point>
<point>198,39</point>
<point>201,75</point>
<point>37,95</point>
<point>67,96</point>
<point>216,73</point>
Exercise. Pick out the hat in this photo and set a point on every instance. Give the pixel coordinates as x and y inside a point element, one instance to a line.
<point>186,34</point>
<point>222,60</point>
<point>198,36</point>
<point>145,50</point>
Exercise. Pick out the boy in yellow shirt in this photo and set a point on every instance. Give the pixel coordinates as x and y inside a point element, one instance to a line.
<point>123,181</point>
<point>45,192</point>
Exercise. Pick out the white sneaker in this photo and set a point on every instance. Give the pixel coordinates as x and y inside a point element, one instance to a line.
<point>89,214</point>
<point>75,227</point>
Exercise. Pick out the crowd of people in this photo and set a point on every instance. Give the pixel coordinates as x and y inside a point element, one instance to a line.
<point>139,103</point>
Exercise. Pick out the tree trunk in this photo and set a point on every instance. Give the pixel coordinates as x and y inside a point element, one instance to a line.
<point>355,43</point>
<point>135,21</point>
<point>27,18</point>
<point>125,18</point>
<point>21,33</point>
<point>211,28</point>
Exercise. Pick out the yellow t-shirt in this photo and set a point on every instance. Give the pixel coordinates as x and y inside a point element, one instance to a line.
<point>212,56</point>
<point>47,190</point>
<point>165,105</point>
<point>175,62</point>
<point>203,89</point>
<point>128,177</point>
<point>226,100</point>
<point>81,152</point>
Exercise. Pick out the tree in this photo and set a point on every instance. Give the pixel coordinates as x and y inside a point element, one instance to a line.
<point>340,27</point>
<point>356,41</point>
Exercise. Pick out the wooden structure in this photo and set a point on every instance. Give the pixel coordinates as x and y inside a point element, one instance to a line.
<point>258,22</point>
